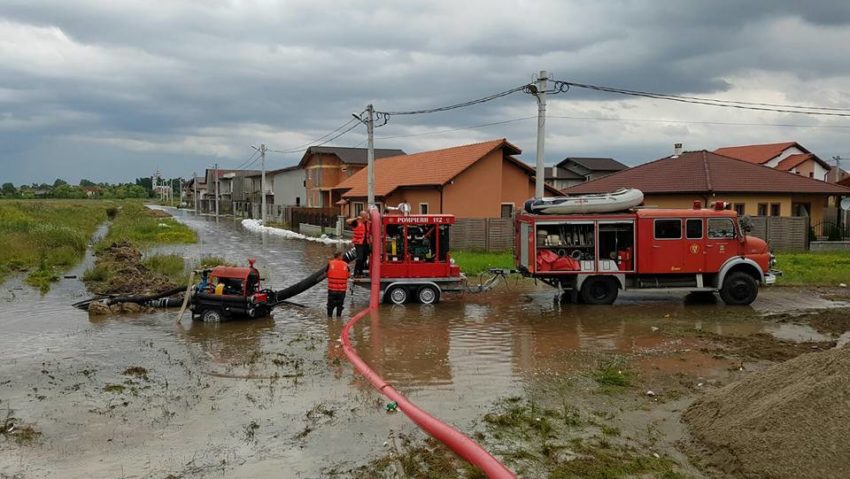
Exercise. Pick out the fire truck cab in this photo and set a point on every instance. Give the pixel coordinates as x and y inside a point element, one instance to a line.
<point>593,256</point>
<point>415,259</point>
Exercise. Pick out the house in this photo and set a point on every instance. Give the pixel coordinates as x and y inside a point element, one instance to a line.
<point>677,181</point>
<point>576,170</point>
<point>327,166</point>
<point>289,186</point>
<point>789,156</point>
<point>481,180</point>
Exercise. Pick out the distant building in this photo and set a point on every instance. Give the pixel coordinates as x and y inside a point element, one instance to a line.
<point>789,156</point>
<point>576,170</point>
<point>289,186</point>
<point>326,167</point>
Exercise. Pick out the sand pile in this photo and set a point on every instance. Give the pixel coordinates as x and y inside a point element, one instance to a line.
<point>790,421</point>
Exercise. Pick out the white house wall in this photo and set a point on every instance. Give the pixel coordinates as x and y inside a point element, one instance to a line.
<point>289,188</point>
<point>785,154</point>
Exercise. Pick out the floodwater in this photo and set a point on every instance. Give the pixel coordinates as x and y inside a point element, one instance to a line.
<point>276,397</point>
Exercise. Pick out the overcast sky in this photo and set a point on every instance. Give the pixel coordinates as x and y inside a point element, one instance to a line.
<point>111,90</point>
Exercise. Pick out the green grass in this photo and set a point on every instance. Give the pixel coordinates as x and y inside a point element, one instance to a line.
<point>813,269</point>
<point>171,265</point>
<point>473,263</point>
<point>613,374</point>
<point>145,227</point>
<point>46,237</point>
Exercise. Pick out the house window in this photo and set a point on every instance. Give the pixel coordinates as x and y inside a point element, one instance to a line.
<point>297,201</point>
<point>811,174</point>
<point>358,207</point>
<point>774,209</point>
<point>668,229</point>
<point>423,208</point>
<point>693,229</point>
<point>739,208</point>
<point>721,228</point>
<point>507,210</point>
<point>762,209</point>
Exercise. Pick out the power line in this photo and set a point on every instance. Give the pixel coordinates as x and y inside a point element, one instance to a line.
<point>695,122</point>
<point>457,105</point>
<point>247,162</point>
<point>796,109</point>
<point>324,139</point>
<point>449,130</point>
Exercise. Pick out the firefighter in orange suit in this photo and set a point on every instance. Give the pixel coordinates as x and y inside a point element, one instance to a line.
<point>337,284</point>
<point>360,230</point>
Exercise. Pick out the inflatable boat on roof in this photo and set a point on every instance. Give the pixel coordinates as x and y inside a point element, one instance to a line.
<point>620,200</point>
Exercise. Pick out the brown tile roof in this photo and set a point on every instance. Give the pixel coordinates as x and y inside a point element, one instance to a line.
<point>758,154</point>
<point>351,156</point>
<point>705,172</point>
<point>794,161</point>
<point>845,182</point>
<point>428,168</point>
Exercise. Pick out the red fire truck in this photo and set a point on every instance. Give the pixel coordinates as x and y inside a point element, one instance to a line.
<point>592,256</point>
<point>415,259</point>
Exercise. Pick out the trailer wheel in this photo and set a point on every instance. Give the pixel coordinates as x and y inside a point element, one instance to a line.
<point>599,290</point>
<point>398,295</point>
<point>428,295</point>
<point>212,316</point>
<point>739,289</point>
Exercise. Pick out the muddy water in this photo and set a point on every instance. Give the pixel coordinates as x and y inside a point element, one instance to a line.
<point>276,397</point>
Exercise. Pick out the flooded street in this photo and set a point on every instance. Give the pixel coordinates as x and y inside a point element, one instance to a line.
<point>138,396</point>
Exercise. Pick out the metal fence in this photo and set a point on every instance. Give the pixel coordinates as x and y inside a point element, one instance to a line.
<point>830,231</point>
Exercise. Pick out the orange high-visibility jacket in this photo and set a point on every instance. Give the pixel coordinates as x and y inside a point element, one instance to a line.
<point>359,233</point>
<point>337,275</point>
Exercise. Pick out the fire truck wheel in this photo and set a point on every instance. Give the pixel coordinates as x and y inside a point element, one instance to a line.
<point>599,290</point>
<point>428,295</point>
<point>739,288</point>
<point>212,316</point>
<point>398,295</point>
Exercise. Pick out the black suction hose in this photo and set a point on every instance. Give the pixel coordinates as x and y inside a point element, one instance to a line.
<point>310,281</point>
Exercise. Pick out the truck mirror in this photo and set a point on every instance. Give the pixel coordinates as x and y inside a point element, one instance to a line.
<point>746,224</point>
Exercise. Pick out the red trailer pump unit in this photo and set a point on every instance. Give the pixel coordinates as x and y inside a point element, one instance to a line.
<point>415,260</point>
<point>593,256</point>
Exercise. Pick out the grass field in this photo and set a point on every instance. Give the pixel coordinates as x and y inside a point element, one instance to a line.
<point>814,269</point>
<point>473,263</point>
<point>145,227</point>
<point>46,237</point>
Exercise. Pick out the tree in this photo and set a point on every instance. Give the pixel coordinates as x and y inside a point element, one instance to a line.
<point>59,182</point>
<point>85,182</point>
<point>8,189</point>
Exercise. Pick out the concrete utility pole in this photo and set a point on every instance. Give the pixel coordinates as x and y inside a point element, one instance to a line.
<point>263,182</point>
<point>542,85</point>
<point>216,191</point>
<point>370,153</point>
<point>195,190</point>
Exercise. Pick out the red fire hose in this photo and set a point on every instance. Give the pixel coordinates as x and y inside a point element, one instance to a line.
<point>465,447</point>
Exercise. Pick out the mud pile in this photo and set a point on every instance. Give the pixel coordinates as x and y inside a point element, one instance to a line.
<point>120,271</point>
<point>790,421</point>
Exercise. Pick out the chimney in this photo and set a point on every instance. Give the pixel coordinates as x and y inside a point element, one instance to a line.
<point>677,150</point>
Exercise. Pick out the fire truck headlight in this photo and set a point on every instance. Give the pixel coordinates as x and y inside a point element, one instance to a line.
<point>772,261</point>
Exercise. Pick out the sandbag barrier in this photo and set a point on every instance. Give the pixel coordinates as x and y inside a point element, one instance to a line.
<point>462,445</point>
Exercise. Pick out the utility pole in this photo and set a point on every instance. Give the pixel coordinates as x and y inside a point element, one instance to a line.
<point>263,182</point>
<point>216,191</point>
<point>542,85</point>
<point>195,189</point>
<point>370,153</point>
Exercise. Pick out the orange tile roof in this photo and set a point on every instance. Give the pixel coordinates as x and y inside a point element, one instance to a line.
<point>794,161</point>
<point>428,168</point>
<point>758,154</point>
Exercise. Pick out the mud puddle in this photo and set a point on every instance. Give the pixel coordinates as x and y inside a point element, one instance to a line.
<point>137,396</point>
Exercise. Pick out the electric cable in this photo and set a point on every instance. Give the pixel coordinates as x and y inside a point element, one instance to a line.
<point>695,122</point>
<point>449,130</point>
<point>793,109</point>
<point>324,139</point>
